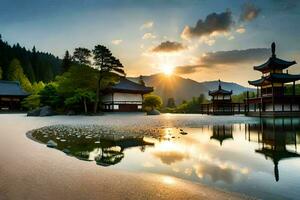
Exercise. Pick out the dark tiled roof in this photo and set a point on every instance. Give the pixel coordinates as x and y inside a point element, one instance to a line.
<point>220,91</point>
<point>274,63</point>
<point>281,78</point>
<point>11,88</point>
<point>125,85</point>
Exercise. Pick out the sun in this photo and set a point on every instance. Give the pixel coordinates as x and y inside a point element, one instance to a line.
<point>168,70</point>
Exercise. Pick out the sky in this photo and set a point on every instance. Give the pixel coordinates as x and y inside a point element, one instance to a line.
<point>198,39</point>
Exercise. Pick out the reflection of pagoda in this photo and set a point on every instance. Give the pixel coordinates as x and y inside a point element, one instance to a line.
<point>221,133</point>
<point>112,152</point>
<point>274,135</point>
<point>221,101</point>
<point>273,97</point>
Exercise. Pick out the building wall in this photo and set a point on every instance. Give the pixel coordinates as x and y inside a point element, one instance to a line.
<point>127,97</point>
<point>220,97</point>
<point>122,101</point>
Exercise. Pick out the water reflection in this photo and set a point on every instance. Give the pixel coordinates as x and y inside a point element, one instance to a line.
<point>233,157</point>
<point>274,137</point>
<point>221,133</point>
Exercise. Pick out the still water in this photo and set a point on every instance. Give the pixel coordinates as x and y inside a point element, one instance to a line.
<point>260,159</point>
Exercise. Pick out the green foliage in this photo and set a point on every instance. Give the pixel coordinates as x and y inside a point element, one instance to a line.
<point>240,97</point>
<point>82,56</point>
<point>31,102</point>
<point>37,87</point>
<point>15,73</point>
<point>152,101</point>
<point>171,103</point>
<point>50,97</point>
<point>80,96</point>
<point>191,106</point>
<point>66,62</point>
<point>37,66</point>
<point>105,64</point>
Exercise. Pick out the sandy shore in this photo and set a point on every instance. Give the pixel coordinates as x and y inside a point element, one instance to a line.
<point>29,170</point>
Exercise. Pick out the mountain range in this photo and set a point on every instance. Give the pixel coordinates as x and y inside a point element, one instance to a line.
<point>179,88</point>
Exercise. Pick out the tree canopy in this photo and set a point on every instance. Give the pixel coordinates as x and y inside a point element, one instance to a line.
<point>152,101</point>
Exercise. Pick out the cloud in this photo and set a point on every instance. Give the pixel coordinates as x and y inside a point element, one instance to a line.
<point>187,69</point>
<point>249,12</point>
<point>231,58</point>
<point>240,30</point>
<point>214,23</point>
<point>147,25</point>
<point>170,157</point>
<point>148,36</point>
<point>169,46</point>
<point>116,42</point>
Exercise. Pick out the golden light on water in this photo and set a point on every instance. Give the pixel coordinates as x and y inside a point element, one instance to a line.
<point>168,180</point>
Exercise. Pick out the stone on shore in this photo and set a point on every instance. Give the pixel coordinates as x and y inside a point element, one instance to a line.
<point>46,111</point>
<point>153,112</point>
<point>43,111</point>
<point>51,144</point>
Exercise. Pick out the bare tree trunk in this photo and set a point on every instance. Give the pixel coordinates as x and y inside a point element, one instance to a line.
<point>85,106</point>
<point>97,94</point>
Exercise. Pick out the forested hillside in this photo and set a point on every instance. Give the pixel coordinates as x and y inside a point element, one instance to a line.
<point>37,66</point>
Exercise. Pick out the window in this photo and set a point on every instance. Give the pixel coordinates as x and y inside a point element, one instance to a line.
<point>116,107</point>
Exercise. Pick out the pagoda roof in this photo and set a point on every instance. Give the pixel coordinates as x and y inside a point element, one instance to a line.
<point>11,88</point>
<point>274,63</point>
<point>125,85</point>
<point>219,91</point>
<point>279,78</point>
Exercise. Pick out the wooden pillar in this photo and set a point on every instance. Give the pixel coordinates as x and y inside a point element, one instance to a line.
<point>294,94</point>
<point>247,101</point>
<point>273,97</point>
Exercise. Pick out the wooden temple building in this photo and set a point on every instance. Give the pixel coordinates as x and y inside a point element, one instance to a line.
<point>221,103</point>
<point>125,96</point>
<point>272,97</point>
<point>11,95</point>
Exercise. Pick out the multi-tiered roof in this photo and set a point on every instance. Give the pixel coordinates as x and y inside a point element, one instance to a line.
<point>273,71</point>
<point>219,91</point>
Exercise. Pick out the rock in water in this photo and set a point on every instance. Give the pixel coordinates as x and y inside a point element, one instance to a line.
<point>153,112</point>
<point>46,111</point>
<point>35,112</point>
<point>51,144</point>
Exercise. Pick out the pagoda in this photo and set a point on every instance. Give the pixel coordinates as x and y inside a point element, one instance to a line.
<point>222,133</point>
<point>277,139</point>
<point>273,98</point>
<point>221,102</point>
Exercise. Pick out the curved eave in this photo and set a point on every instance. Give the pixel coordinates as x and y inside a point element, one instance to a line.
<point>217,92</point>
<point>145,91</point>
<point>284,78</point>
<point>257,82</point>
<point>274,63</point>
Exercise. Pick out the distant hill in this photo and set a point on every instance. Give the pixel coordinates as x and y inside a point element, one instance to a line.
<point>185,89</point>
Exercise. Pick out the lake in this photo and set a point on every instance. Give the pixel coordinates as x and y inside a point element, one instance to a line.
<point>252,156</point>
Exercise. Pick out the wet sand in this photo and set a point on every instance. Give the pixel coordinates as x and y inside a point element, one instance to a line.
<point>29,170</point>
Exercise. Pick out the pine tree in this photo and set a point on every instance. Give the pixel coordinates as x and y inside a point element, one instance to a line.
<point>15,73</point>
<point>66,62</point>
<point>105,63</point>
<point>141,81</point>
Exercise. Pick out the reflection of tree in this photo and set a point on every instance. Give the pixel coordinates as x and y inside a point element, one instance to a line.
<point>221,133</point>
<point>273,136</point>
<point>113,152</point>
